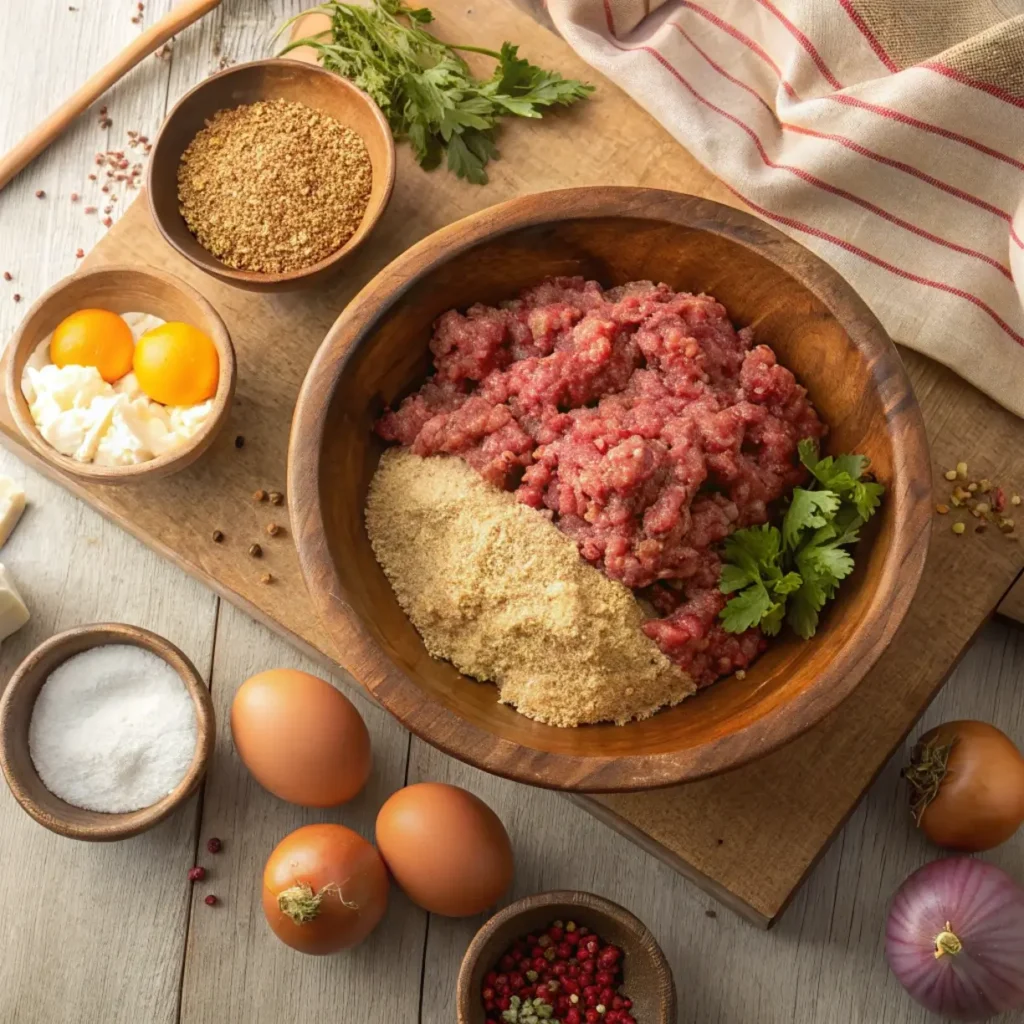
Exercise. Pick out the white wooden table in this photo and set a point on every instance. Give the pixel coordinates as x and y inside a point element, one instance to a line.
<point>95,934</point>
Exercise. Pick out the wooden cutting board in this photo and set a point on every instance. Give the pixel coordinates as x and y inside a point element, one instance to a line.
<point>1012,606</point>
<point>748,837</point>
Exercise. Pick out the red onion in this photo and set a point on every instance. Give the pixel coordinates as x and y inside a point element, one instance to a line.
<point>955,939</point>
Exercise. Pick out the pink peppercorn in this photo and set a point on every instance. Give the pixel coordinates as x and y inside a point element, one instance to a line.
<point>565,968</point>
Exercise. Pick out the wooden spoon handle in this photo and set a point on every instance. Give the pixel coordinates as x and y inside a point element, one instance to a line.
<point>154,37</point>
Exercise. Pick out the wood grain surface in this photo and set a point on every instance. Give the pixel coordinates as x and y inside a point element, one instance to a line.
<point>184,14</point>
<point>796,798</point>
<point>377,352</point>
<point>102,939</point>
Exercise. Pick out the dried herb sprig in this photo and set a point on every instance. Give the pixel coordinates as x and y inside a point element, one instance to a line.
<point>426,90</point>
<point>929,764</point>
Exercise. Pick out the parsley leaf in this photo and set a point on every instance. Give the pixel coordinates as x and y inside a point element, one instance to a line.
<point>424,87</point>
<point>791,574</point>
<point>464,162</point>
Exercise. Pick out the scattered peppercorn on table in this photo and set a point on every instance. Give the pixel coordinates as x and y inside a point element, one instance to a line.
<point>118,933</point>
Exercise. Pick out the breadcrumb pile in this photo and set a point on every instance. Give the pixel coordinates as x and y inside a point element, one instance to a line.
<point>495,588</point>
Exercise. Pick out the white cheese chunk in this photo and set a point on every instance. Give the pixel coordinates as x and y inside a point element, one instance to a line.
<point>13,613</point>
<point>12,504</point>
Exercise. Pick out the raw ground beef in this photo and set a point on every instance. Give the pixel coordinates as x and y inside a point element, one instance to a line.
<point>640,420</point>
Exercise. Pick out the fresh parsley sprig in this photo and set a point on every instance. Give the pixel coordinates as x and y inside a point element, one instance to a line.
<point>790,573</point>
<point>426,90</point>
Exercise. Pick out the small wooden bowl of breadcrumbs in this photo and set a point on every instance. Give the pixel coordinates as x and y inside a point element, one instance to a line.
<point>269,175</point>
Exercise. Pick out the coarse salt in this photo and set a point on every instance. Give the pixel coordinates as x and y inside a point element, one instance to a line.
<point>113,729</point>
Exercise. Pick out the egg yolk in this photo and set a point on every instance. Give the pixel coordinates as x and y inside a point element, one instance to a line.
<point>176,364</point>
<point>94,337</point>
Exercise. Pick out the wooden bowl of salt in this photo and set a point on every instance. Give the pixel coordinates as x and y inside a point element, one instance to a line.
<point>18,704</point>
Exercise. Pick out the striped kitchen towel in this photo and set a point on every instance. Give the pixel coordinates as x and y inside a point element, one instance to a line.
<point>886,135</point>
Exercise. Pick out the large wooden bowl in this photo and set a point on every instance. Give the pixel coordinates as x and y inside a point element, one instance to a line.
<point>646,976</point>
<point>377,352</point>
<point>274,79</point>
<point>121,289</point>
<point>16,713</point>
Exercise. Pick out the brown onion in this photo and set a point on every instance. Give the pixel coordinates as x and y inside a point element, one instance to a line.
<point>967,786</point>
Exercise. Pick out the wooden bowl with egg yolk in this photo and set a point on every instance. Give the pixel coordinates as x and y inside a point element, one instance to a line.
<point>121,289</point>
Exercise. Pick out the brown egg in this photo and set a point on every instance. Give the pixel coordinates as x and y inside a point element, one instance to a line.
<point>446,848</point>
<point>300,738</point>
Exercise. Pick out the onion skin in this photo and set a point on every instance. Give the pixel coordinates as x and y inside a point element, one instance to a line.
<point>342,869</point>
<point>979,802</point>
<point>984,909</point>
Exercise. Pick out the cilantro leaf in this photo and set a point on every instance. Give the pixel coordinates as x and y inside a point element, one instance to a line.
<point>867,496</point>
<point>753,548</point>
<point>424,87</point>
<point>771,621</point>
<point>804,606</point>
<point>790,582</point>
<point>733,578</point>
<point>747,609</point>
<point>807,510</point>
<point>807,450</point>
<point>833,563</point>
<point>838,474</point>
<point>790,574</point>
<point>854,466</point>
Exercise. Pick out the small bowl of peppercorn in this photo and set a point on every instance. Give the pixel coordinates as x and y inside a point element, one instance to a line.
<point>269,175</point>
<point>565,956</point>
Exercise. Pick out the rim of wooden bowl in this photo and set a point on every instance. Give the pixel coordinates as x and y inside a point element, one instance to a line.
<point>164,151</point>
<point>502,929</point>
<point>16,712</point>
<point>107,283</point>
<point>909,499</point>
